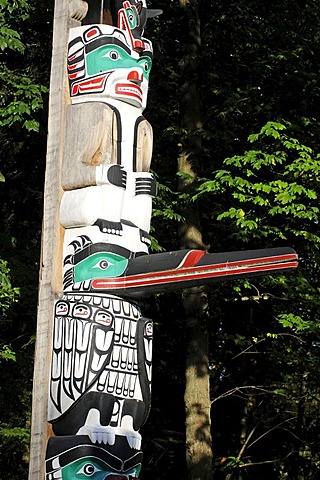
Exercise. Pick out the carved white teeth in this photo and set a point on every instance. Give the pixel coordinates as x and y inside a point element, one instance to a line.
<point>106,302</point>
<point>126,308</point>
<point>116,306</point>
<point>110,439</point>
<point>96,300</point>
<point>133,333</point>
<point>87,298</point>
<point>115,357</point>
<point>105,435</point>
<point>125,331</point>
<point>134,441</point>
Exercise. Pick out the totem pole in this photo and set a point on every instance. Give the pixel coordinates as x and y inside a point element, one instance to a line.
<point>100,376</point>
<point>100,355</point>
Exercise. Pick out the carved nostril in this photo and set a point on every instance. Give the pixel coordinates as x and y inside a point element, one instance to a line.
<point>135,77</point>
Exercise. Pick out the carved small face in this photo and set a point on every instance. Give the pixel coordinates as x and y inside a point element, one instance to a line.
<point>130,14</point>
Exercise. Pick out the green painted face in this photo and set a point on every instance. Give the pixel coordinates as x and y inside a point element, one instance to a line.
<point>100,265</point>
<point>112,57</point>
<point>91,468</point>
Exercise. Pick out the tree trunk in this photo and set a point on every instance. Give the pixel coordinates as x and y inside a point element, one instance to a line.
<point>197,390</point>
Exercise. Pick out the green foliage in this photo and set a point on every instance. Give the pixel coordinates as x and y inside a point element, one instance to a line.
<point>6,353</point>
<point>8,294</point>
<point>165,212</point>
<point>24,99</point>
<point>296,323</point>
<point>9,37</point>
<point>279,179</point>
<point>21,96</point>
<point>25,44</point>
<point>17,434</point>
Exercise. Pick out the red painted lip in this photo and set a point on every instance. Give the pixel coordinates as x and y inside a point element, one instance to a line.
<point>130,90</point>
<point>92,85</point>
<point>186,274</point>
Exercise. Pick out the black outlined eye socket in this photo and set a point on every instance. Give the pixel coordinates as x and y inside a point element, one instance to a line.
<point>62,308</point>
<point>102,264</point>
<point>81,311</point>
<point>145,63</point>
<point>88,469</point>
<point>114,55</point>
<point>104,318</point>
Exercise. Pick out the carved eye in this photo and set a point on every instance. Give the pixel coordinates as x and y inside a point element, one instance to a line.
<point>102,264</point>
<point>89,469</point>
<point>145,66</point>
<point>104,318</point>
<point>62,308</point>
<point>81,311</point>
<point>114,55</point>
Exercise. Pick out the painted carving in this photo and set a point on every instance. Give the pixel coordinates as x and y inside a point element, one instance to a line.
<point>100,381</point>
<point>100,378</point>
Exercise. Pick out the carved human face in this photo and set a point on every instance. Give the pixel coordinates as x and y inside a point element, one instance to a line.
<point>101,61</point>
<point>129,72</point>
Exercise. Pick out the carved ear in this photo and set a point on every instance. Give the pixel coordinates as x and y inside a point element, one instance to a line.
<point>78,9</point>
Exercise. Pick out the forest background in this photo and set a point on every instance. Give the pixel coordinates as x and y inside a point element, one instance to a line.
<point>234,103</point>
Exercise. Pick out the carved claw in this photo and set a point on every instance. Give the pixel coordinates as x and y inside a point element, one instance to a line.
<point>78,9</point>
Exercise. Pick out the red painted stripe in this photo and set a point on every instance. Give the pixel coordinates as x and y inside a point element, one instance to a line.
<point>89,85</point>
<point>175,277</point>
<point>191,258</point>
<point>93,32</point>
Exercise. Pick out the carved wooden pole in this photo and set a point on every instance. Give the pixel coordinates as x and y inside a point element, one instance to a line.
<point>97,217</point>
<point>92,378</point>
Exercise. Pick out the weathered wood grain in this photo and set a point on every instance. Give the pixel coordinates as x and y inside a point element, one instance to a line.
<point>51,241</point>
